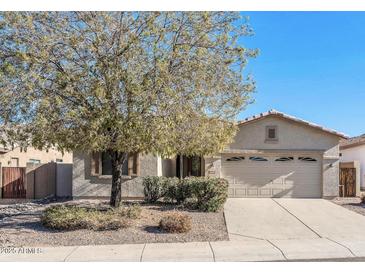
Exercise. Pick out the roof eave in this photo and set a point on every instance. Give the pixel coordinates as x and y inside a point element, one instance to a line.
<point>292,118</point>
<point>361,143</point>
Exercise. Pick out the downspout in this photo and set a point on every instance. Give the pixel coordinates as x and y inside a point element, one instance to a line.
<point>181,167</point>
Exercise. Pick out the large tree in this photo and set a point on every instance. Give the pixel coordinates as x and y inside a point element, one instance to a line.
<point>122,82</point>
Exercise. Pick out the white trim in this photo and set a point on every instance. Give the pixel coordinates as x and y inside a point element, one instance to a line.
<point>159,166</point>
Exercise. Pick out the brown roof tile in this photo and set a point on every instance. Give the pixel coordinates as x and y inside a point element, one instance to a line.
<point>281,114</point>
<point>353,142</point>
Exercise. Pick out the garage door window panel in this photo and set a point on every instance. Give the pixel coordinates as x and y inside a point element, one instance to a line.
<point>258,159</point>
<point>284,159</point>
<point>307,159</point>
<point>235,159</point>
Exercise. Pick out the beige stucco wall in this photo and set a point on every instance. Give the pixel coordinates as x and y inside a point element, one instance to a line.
<point>251,136</point>
<point>25,155</point>
<point>86,185</point>
<point>356,153</point>
<point>294,136</point>
<point>212,166</point>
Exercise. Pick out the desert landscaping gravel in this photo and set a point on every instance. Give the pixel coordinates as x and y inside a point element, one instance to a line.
<point>352,203</point>
<point>20,226</point>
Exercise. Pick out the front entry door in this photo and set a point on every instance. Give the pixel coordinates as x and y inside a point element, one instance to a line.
<point>192,166</point>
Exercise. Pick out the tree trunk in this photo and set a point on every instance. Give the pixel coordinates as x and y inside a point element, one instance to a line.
<point>181,167</point>
<point>118,159</point>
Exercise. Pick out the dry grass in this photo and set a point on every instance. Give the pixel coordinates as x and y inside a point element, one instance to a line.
<point>175,223</point>
<point>63,217</point>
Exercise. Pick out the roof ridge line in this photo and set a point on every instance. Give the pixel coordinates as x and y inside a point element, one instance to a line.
<point>290,117</point>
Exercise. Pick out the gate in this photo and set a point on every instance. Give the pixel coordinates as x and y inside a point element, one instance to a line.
<point>14,182</point>
<point>347,182</point>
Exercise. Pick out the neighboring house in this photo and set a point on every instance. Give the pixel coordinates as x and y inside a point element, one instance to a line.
<point>353,149</point>
<point>18,157</point>
<point>32,159</point>
<point>272,155</point>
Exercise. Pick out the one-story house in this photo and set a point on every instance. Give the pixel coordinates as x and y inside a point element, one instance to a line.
<point>273,155</point>
<point>353,149</point>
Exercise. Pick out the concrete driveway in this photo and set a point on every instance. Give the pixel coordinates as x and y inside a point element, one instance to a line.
<point>278,219</point>
<point>297,227</point>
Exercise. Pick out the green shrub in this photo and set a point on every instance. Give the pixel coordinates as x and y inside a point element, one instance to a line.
<point>208,194</point>
<point>65,217</point>
<point>205,194</point>
<point>175,223</point>
<point>153,188</point>
<point>177,191</point>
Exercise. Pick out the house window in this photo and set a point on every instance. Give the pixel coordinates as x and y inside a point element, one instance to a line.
<point>106,165</point>
<point>195,166</point>
<point>135,163</point>
<point>101,164</point>
<point>192,166</point>
<point>14,162</point>
<point>258,159</point>
<point>271,133</point>
<point>34,161</point>
<point>59,160</point>
<point>307,159</point>
<point>284,159</point>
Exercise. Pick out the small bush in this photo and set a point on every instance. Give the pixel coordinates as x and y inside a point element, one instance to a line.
<point>209,194</point>
<point>153,188</point>
<point>63,217</point>
<point>362,198</point>
<point>132,211</point>
<point>175,223</point>
<point>108,222</point>
<point>177,191</point>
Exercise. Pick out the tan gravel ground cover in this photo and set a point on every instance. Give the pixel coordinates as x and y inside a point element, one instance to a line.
<point>22,227</point>
<point>351,203</point>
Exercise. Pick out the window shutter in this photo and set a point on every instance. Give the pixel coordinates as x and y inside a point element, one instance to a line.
<point>95,163</point>
<point>133,164</point>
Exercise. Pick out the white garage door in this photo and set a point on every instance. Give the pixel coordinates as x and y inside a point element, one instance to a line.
<point>279,175</point>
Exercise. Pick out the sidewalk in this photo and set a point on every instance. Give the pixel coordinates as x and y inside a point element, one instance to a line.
<point>237,249</point>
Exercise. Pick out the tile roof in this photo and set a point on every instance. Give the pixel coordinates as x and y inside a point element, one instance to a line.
<point>274,112</point>
<point>353,142</point>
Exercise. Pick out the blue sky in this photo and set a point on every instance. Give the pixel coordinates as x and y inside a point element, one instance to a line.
<point>311,65</point>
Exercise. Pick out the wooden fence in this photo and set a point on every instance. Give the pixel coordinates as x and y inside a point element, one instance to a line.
<point>14,182</point>
<point>37,181</point>
<point>347,182</point>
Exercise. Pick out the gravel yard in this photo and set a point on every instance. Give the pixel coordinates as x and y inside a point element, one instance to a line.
<point>20,226</point>
<point>351,203</point>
